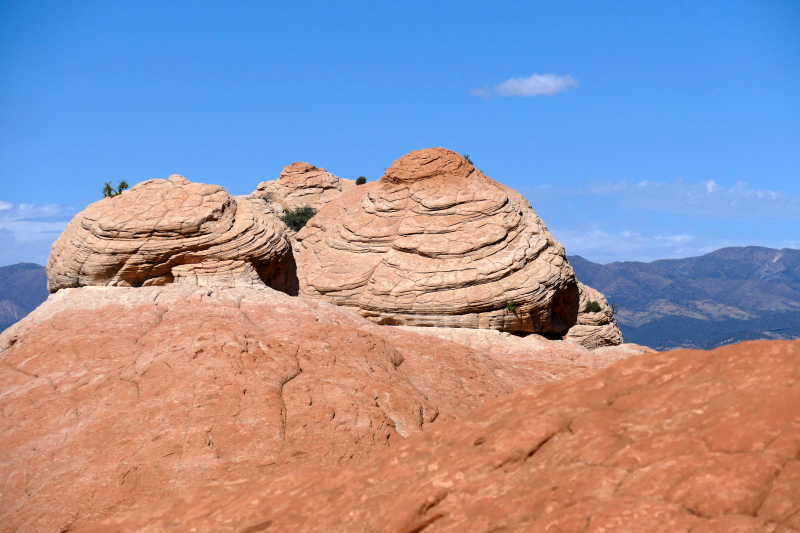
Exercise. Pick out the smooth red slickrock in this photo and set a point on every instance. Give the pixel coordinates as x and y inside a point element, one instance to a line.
<point>115,397</point>
<point>684,441</point>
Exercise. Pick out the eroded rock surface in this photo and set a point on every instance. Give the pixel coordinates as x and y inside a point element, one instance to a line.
<point>301,184</point>
<point>435,242</point>
<point>534,358</point>
<point>678,442</point>
<point>114,397</point>
<point>594,329</point>
<point>165,231</point>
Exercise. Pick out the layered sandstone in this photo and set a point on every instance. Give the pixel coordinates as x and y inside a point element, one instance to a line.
<point>435,242</point>
<point>594,329</point>
<point>301,184</point>
<point>114,397</point>
<point>165,231</point>
<point>678,442</point>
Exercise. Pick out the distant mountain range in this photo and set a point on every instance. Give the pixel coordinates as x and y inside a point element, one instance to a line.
<point>724,297</point>
<point>727,296</point>
<point>22,288</point>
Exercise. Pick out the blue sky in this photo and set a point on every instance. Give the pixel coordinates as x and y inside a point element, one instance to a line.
<point>637,130</point>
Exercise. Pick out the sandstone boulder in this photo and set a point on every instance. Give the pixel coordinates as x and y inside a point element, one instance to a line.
<point>163,231</point>
<point>301,184</point>
<point>114,397</point>
<point>677,442</point>
<point>435,242</point>
<point>594,329</point>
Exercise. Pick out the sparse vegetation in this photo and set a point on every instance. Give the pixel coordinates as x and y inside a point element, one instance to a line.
<point>614,308</point>
<point>361,180</point>
<point>299,217</point>
<point>466,156</point>
<point>592,307</point>
<point>111,192</point>
<point>511,307</point>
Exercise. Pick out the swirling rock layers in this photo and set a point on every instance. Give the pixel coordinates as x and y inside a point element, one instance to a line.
<point>435,242</point>
<point>165,231</point>
<point>594,329</point>
<point>301,184</point>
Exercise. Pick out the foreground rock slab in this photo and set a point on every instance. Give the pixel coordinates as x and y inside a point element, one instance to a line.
<point>683,441</point>
<point>435,242</point>
<point>115,397</point>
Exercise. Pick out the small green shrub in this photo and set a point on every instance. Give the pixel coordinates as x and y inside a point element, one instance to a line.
<point>592,307</point>
<point>111,192</point>
<point>361,180</point>
<point>511,307</point>
<point>466,156</point>
<point>297,219</point>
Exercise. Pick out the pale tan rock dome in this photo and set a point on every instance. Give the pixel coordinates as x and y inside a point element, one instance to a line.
<point>301,184</point>
<point>435,242</point>
<point>162,231</point>
<point>594,329</point>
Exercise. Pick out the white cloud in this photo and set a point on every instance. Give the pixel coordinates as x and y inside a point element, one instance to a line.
<point>534,85</point>
<point>647,220</point>
<point>27,231</point>
<point>702,200</point>
<point>599,245</point>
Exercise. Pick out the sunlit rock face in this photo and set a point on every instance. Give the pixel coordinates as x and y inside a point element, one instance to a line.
<point>435,242</point>
<point>301,184</point>
<point>165,231</point>
<point>594,329</point>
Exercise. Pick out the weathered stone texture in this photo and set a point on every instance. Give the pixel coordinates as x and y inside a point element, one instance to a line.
<point>435,242</point>
<point>113,397</point>
<point>594,329</point>
<point>165,231</point>
<point>677,442</point>
<point>301,184</point>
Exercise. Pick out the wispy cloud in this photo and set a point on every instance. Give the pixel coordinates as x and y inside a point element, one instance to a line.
<point>702,200</point>
<point>27,231</point>
<point>534,85</point>
<point>647,220</point>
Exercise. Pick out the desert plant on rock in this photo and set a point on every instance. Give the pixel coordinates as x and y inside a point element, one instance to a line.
<point>592,307</point>
<point>111,192</point>
<point>361,180</point>
<point>466,156</point>
<point>298,218</point>
<point>511,307</point>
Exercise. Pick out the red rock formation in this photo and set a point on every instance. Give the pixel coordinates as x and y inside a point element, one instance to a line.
<point>684,441</point>
<point>115,397</point>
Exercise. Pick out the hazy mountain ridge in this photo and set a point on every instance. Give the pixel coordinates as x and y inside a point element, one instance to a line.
<point>725,296</point>
<point>22,288</point>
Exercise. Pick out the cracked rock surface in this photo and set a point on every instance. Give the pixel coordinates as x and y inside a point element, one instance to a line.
<point>678,442</point>
<point>435,242</point>
<point>165,231</point>
<point>115,397</point>
<point>301,184</point>
<point>594,329</point>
